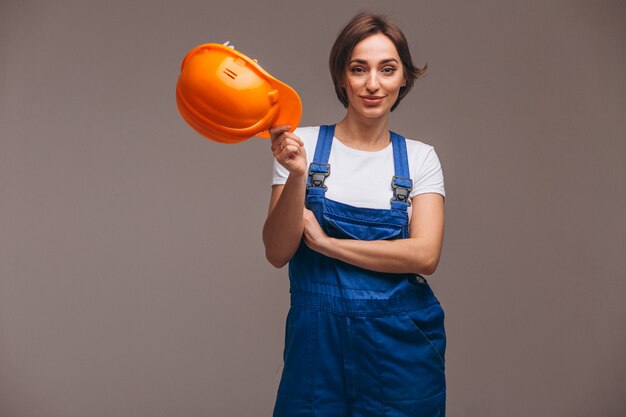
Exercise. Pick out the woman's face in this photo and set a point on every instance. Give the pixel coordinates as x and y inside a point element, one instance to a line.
<point>374,76</point>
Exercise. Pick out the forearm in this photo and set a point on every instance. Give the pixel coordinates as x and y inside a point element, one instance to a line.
<point>412,255</point>
<point>283,228</point>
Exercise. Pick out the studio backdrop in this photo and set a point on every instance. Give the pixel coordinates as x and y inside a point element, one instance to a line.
<point>133,280</point>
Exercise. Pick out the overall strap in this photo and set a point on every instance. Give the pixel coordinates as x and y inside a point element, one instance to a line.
<point>401,182</point>
<point>319,169</point>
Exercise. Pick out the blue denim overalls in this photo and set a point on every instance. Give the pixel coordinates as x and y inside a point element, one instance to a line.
<point>360,343</point>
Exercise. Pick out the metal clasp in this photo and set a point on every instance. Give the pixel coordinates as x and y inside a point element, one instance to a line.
<point>317,174</point>
<point>400,192</point>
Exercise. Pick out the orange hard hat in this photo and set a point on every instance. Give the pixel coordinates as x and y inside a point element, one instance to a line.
<point>227,97</point>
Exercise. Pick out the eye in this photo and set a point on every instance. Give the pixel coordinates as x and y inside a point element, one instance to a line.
<point>389,70</point>
<point>357,70</point>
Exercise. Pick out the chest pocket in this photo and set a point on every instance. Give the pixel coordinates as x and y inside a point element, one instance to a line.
<point>340,228</point>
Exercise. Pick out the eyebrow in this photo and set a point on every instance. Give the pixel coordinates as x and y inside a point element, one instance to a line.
<point>384,61</point>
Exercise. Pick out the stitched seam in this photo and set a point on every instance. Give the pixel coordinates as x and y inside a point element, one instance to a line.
<point>441,394</point>
<point>406,316</point>
<point>367,222</point>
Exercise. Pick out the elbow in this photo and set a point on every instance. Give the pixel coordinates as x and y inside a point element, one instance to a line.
<point>277,262</point>
<point>428,269</point>
<point>428,265</point>
<point>276,258</point>
<point>271,254</point>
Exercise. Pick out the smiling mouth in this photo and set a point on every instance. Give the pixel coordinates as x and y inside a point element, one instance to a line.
<point>372,99</point>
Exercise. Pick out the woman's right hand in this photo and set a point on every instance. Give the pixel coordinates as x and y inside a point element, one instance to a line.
<point>283,227</point>
<point>288,149</point>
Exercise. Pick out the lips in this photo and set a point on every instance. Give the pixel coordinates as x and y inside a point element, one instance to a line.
<point>372,100</point>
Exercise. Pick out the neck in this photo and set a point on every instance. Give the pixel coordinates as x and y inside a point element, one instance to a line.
<point>363,134</point>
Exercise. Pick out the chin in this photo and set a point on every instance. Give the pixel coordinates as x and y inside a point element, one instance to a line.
<point>374,112</point>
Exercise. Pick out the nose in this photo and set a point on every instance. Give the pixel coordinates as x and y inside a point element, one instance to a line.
<point>372,83</point>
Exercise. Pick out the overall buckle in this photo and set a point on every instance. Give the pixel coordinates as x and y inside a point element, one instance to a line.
<point>402,188</point>
<point>317,174</point>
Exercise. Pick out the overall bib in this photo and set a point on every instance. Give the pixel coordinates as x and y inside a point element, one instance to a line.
<point>360,343</point>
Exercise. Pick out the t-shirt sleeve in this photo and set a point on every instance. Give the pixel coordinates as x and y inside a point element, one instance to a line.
<point>429,175</point>
<point>279,173</point>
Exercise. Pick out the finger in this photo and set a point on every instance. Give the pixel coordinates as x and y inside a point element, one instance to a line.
<point>289,142</point>
<point>276,131</point>
<point>285,141</point>
<point>279,146</point>
<point>279,140</point>
<point>292,151</point>
<point>279,129</point>
<point>289,146</point>
<point>286,155</point>
<point>296,139</point>
<point>287,136</point>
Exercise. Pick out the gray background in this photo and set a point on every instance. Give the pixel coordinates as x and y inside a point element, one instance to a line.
<point>132,275</point>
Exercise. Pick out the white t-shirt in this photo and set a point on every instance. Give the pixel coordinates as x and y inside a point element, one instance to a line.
<point>363,178</point>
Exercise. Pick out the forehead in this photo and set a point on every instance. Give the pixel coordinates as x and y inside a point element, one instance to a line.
<point>375,47</point>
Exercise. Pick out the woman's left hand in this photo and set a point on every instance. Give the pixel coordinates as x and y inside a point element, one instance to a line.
<point>314,236</point>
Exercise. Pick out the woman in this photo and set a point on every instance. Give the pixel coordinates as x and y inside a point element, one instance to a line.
<point>364,333</point>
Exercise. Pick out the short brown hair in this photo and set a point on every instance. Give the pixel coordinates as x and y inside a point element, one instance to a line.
<point>361,26</point>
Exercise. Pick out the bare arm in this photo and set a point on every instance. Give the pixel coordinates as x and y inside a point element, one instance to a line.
<point>418,254</point>
<point>284,225</point>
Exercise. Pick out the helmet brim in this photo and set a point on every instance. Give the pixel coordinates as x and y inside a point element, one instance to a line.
<point>290,107</point>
